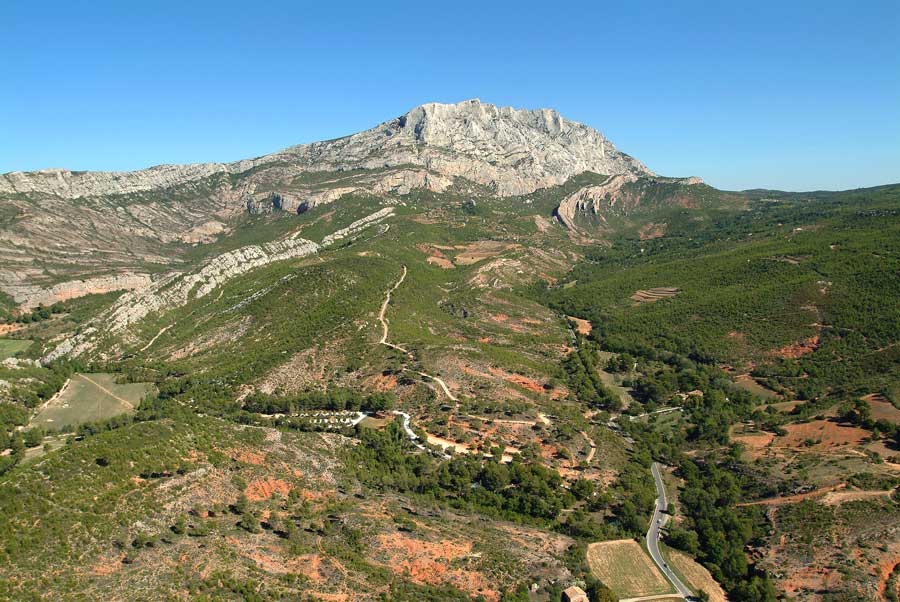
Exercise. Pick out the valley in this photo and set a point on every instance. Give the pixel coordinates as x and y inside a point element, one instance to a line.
<point>446,359</point>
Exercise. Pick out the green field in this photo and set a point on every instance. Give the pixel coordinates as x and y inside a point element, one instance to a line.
<point>10,347</point>
<point>90,397</point>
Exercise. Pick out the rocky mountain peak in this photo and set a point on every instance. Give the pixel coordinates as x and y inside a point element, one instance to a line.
<point>430,120</point>
<point>513,151</point>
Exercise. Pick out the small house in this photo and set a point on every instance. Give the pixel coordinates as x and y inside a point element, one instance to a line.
<point>574,594</point>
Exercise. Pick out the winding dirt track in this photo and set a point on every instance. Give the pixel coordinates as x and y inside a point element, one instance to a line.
<point>385,332</point>
<point>384,306</point>
<point>153,340</point>
<point>593,445</point>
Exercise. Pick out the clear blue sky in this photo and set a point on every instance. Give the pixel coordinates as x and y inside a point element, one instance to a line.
<point>790,95</point>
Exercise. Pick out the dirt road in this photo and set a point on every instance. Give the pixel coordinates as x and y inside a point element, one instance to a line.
<point>385,332</point>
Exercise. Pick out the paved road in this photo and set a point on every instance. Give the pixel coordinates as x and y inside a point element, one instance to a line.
<point>656,524</point>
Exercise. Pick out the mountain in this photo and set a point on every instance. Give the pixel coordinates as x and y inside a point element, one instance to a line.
<point>511,151</point>
<point>438,360</point>
<point>64,234</point>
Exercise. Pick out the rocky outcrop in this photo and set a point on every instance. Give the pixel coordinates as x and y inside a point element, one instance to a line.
<point>589,198</point>
<point>358,226</point>
<point>67,184</point>
<point>29,296</point>
<point>177,289</point>
<point>619,194</point>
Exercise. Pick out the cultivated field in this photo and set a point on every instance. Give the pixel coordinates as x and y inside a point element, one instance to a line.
<point>89,397</point>
<point>820,435</point>
<point>749,384</point>
<point>10,347</point>
<point>654,294</point>
<point>625,568</point>
<point>478,251</point>
<point>696,575</point>
<point>882,409</point>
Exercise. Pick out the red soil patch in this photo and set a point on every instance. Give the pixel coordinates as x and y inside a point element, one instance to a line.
<point>107,566</point>
<point>382,382</point>
<point>755,443</point>
<point>430,250</point>
<point>798,349</point>
<point>887,566</point>
<point>247,456</point>
<point>8,328</point>
<point>499,317</point>
<point>812,578</point>
<point>320,497</point>
<point>270,559</point>
<point>263,489</point>
<point>485,340</point>
<point>431,563</point>
<point>481,250</point>
<point>195,456</point>
<point>518,379</point>
<point>685,202</point>
<point>581,326</point>
<point>441,262</point>
<point>329,597</point>
<point>823,434</point>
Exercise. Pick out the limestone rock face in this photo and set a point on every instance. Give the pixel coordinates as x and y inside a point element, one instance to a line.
<point>513,151</point>
<point>358,226</point>
<point>588,199</point>
<point>177,289</point>
<point>28,296</point>
<point>72,185</point>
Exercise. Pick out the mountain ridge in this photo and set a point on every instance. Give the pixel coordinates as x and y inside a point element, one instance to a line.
<point>514,151</point>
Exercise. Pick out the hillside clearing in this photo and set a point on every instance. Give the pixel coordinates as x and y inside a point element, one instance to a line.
<point>89,397</point>
<point>654,294</point>
<point>10,347</point>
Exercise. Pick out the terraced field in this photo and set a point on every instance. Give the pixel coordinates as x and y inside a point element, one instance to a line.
<point>654,294</point>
